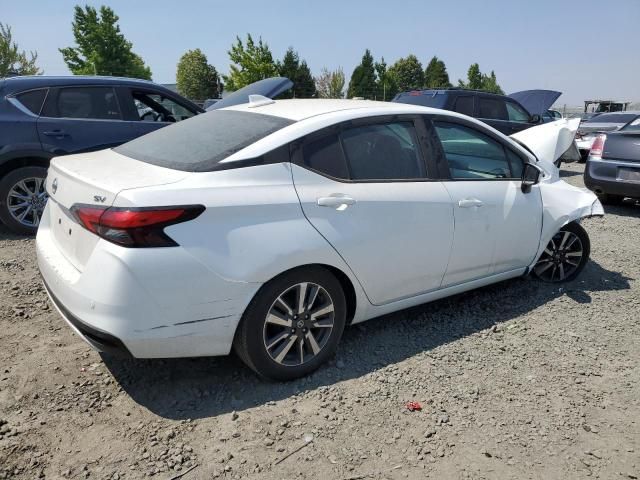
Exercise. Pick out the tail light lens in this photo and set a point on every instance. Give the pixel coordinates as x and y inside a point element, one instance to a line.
<point>134,227</point>
<point>597,147</point>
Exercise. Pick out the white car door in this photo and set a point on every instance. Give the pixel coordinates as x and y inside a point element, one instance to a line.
<point>365,189</point>
<point>497,225</point>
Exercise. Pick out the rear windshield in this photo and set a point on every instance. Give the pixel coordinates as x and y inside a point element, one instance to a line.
<point>200,143</point>
<point>426,99</point>
<point>612,118</point>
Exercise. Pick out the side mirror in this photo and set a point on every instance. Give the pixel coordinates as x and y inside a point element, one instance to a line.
<point>536,118</point>
<point>530,177</point>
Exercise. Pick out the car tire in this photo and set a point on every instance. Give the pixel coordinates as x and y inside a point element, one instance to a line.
<point>565,256</point>
<point>609,199</point>
<point>33,178</point>
<point>277,338</point>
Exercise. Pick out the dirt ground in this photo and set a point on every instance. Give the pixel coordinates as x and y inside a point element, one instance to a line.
<point>517,380</point>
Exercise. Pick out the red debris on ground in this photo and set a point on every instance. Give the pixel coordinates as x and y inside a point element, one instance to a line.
<point>412,406</point>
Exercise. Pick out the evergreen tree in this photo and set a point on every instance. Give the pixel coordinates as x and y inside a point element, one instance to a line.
<point>435,75</point>
<point>304,85</point>
<point>386,85</point>
<point>298,72</point>
<point>477,80</point>
<point>12,60</point>
<point>363,78</point>
<point>102,49</point>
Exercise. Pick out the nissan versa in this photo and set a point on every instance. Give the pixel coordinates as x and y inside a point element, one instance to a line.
<point>269,226</point>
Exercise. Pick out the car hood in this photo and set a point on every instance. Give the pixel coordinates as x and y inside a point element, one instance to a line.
<point>536,101</point>
<point>550,140</point>
<point>269,87</point>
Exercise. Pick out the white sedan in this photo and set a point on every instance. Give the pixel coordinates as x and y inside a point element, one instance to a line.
<point>271,225</point>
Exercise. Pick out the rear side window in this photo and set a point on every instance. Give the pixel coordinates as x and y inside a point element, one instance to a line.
<point>325,155</point>
<point>472,155</point>
<point>33,100</point>
<point>492,108</point>
<point>200,143</point>
<point>98,103</point>
<point>464,105</point>
<point>384,151</point>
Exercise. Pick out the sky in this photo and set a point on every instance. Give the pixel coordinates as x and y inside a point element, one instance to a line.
<point>584,48</point>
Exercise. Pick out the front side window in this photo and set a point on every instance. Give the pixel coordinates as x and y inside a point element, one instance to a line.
<point>492,108</point>
<point>325,155</point>
<point>632,126</point>
<point>517,113</point>
<point>88,102</point>
<point>158,108</point>
<point>472,155</point>
<point>33,100</point>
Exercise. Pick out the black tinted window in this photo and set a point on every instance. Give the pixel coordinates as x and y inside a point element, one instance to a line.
<point>200,143</point>
<point>471,154</point>
<point>88,102</point>
<point>383,152</point>
<point>32,100</point>
<point>464,105</point>
<point>325,156</point>
<point>425,98</point>
<point>492,108</point>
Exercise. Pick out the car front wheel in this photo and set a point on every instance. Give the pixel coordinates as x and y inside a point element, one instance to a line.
<point>565,256</point>
<point>293,325</point>
<point>23,198</point>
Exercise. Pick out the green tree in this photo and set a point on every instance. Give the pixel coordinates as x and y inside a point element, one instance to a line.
<point>12,60</point>
<point>298,72</point>
<point>250,63</point>
<point>197,79</point>
<point>330,84</point>
<point>386,84</point>
<point>435,75</point>
<point>363,79</point>
<point>101,48</point>
<point>490,83</point>
<point>477,80</point>
<point>407,73</point>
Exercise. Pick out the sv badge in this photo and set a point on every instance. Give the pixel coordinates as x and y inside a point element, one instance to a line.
<point>99,198</point>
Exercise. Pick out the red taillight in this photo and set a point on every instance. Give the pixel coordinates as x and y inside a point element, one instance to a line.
<point>134,227</point>
<point>597,147</point>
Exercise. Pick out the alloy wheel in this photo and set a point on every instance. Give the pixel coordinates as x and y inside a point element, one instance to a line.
<point>26,201</point>
<point>298,324</point>
<point>561,258</point>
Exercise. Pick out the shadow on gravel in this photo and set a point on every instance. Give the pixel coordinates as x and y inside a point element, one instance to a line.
<point>6,234</point>
<point>205,387</point>
<point>569,173</point>
<point>628,208</point>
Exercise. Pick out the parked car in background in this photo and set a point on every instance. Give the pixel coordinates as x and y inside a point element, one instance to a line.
<point>503,113</point>
<point>269,226</point>
<point>602,122</point>
<point>613,166</point>
<point>42,117</point>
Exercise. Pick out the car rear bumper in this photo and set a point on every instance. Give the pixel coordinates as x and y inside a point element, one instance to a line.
<point>145,303</point>
<point>604,176</point>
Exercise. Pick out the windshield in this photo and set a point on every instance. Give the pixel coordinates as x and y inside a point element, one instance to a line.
<point>200,143</point>
<point>612,118</point>
<point>633,126</point>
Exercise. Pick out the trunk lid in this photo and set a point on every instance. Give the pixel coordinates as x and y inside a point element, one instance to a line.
<point>622,146</point>
<point>93,178</point>
<point>269,87</point>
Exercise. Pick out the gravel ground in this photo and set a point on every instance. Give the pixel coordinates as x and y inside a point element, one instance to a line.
<point>517,380</point>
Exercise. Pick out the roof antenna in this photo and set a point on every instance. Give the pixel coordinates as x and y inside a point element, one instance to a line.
<point>259,101</point>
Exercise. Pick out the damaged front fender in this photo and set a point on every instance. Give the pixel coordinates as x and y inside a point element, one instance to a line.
<point>563,204</point>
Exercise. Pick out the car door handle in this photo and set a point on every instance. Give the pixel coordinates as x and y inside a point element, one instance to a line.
<point>56,133</point>
<point>470,202</point>
<point>337,201</point>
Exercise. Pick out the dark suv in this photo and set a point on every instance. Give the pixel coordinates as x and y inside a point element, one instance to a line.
<point>501,112</point>
<point>43,117</point>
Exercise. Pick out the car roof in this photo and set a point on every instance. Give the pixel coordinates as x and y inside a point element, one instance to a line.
<point>451,90</point>
<point>12,84</point>
<point>301,109</point>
